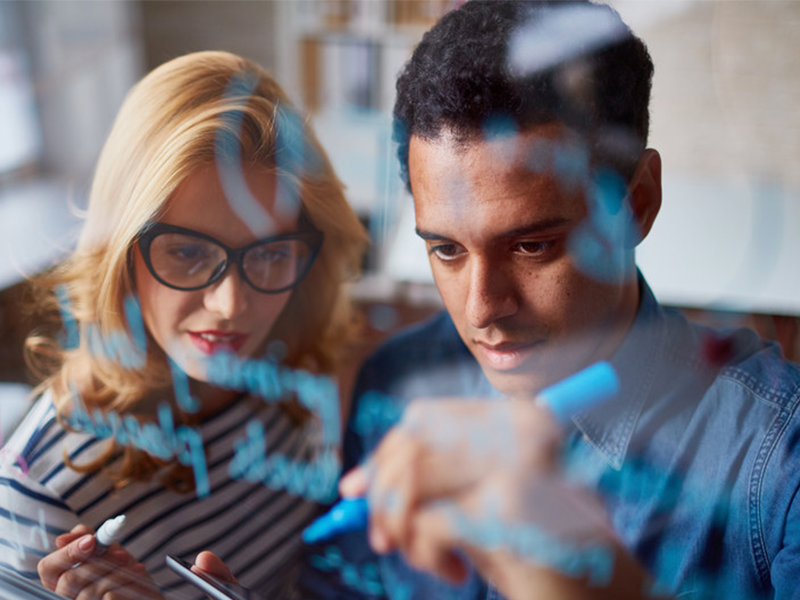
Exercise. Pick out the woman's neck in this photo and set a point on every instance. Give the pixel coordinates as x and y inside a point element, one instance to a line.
<point>212,399</point>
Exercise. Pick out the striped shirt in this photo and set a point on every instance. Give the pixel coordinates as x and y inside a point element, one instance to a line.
<point>255,529</point>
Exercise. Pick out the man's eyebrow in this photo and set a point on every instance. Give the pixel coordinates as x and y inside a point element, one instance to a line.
<point>536,228</point>
<point>529,229</point>
<point>430,236</point>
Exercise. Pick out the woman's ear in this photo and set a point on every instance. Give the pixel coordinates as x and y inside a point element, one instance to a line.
<point>644,193</point>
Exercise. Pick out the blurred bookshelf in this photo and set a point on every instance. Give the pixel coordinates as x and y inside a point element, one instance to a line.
<point>339,60</point>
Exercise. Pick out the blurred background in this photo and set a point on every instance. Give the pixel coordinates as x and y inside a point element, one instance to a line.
<point>725,118</point>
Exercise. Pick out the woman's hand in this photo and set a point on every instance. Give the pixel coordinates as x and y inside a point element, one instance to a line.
<point>482,478</point>
<point>211,564</point>
<point>73,571</point>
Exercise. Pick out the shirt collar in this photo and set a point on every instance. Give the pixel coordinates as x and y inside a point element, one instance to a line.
<point>610,426</point>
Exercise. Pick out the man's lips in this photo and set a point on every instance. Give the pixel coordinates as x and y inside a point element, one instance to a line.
<point>505,356</point>
<point>210,341</point>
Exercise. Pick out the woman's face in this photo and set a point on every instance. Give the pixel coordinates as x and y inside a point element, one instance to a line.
<point>229,315</point>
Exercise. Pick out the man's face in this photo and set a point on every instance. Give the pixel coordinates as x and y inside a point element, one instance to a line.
<point>501,242</point>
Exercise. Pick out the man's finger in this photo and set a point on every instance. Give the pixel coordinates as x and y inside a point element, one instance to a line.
<point>434,543</point>
<point>354,483</point>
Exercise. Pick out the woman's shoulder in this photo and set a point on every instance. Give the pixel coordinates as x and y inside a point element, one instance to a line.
<point>36,429</point>
<point>32,512</point>
<point>38,445</point>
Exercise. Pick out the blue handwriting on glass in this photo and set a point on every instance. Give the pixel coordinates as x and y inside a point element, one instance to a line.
<point>127,350</point>
<point>534,545</point>
<point>161,439</point>
<point>315,481</point>
<point>272,382</point>
<point>365,580</point>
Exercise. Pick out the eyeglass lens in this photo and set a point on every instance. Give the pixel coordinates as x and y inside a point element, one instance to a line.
<point>185,261</point>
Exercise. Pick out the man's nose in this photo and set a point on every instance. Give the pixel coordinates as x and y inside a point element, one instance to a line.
<point>228,296</point>
<point>491,294</point>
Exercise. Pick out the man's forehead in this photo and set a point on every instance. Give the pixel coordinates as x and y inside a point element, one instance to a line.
<point>492,186</point>
<point>542,149</point>
<point>496,133</point>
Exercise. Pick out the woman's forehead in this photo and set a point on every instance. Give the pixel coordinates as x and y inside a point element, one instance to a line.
<point>236,207</point>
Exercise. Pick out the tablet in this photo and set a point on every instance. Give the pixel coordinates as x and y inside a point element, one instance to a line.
<point>213,586</point>
<point>16,587</point>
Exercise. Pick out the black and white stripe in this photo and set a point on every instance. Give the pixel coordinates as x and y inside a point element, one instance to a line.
<point>254,528</point>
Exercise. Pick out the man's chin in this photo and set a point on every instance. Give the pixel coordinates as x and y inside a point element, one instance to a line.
<point>526,381</point>
<point>516,385</point>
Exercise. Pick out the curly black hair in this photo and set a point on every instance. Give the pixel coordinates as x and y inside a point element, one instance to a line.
<point>581,66</point>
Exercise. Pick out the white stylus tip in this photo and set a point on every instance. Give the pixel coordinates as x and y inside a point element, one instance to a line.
<point>108,532</point>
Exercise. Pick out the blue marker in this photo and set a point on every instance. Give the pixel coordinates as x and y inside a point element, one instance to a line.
<point>578,392</point>
<point>349,514</point>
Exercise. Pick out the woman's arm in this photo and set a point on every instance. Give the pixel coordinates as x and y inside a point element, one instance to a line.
<point>76,570</point>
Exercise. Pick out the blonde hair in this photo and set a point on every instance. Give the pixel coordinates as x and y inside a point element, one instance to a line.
<point>175,120</point>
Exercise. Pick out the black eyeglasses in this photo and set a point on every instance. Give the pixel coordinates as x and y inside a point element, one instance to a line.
<point>188,260</point>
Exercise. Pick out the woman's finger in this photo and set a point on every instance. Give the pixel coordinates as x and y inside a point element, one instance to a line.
<point>210,563</point>
<point>69,537</point>
<point>55,564</point>
<point>86,580</point>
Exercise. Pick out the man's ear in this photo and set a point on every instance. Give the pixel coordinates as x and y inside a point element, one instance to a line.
<point>644,193</point>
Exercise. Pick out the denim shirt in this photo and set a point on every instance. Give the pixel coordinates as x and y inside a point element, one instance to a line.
<point>697,459</point>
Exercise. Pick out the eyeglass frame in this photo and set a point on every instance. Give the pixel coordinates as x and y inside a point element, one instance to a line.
<point>312,236</point>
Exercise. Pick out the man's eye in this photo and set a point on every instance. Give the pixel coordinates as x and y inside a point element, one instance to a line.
<point>533,248</point>
<point>445,251</point>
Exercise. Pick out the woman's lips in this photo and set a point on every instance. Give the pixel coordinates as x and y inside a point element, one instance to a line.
<point>506,356</point>
<point>209,342</point>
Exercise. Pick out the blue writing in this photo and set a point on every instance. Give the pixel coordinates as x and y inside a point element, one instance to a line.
<point>70,325</point>
<point>180,383</point>
<point>532,544</point>
<point>315,481</point>
<point>367,581</point>
<point>118,345</point>
<point>376,413</point>
<point>266,379</point>
<point>163,440</point>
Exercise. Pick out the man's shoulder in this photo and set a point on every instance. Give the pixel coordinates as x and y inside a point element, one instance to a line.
<point>738,356</point>
<point>762,372</point>
<point>431,340</point>
<point>425,358</point>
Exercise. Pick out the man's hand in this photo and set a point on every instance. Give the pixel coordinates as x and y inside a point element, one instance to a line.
<point>482,477</point>
<point>73,571</point>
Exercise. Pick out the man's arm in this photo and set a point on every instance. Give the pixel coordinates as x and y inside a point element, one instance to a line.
<point>523,526</point>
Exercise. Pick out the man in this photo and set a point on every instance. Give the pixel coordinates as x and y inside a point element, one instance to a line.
<point>523,131</point>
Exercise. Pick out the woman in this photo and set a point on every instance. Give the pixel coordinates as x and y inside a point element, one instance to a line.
<point>216,234</point>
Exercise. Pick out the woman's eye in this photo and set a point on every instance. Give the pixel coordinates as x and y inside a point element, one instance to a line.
<point>271,254</point>
<point>445,251</point>
<point>533,248</point>
<point>188,252</point>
